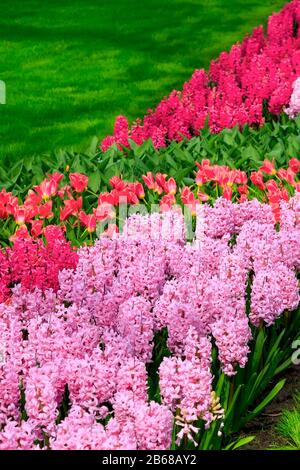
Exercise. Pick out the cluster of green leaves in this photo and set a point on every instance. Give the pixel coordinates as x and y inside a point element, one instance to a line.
<point>246,149</point>
<point>289,426</point>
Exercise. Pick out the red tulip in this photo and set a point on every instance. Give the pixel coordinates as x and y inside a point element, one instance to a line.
<point>79,182</point>
<point>166,202</point>
<point>294,165</point>
<point>45,211</point>
<point>243,198</point>
<point>32,199</point>
<point>239,177</point>
<point>287,175</point>
<point>56,176</point>
<point>108,198</point>
<point>227,193</point>
<point>161,181</point>
<point>189,200</point>
<point>117,183</point>
<point>170,186</point>
<point>139,190</point>
<point>203,197</point>
<point>272,186</point>
<point>149,180</point>
<point>65,190</point>
<point>104,211</point>
<point>23,214</point>
<point>243,189</point>
<point>187,196</point>
<point>257,179</point>
<point>268,167</point>
<point>20,215</point>
<point>47,188</point>
<point>36,227</point>
<point>88,221</point>
<point>20,234</point>
<point>72,207</point>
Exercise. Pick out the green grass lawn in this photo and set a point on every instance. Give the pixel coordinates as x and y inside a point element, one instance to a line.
<point>71,66</point>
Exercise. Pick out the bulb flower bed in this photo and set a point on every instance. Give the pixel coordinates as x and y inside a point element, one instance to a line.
<point>138,344</point>
<point>66,201</point>
<point>244,86</point>
<point>159,312</point>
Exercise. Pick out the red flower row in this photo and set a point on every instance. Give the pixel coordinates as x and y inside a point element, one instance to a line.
<point>50,202</point>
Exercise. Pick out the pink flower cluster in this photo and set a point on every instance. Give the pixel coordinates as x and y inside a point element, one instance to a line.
<point>33,263</point>
<point>237,87</point>
<point>88,344</point>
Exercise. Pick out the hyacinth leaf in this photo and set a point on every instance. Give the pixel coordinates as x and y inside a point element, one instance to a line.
<point>210,438</point>
<point>220,384</point>
<point>271,371</point>
<point>244,399</point>
<point>255,390</point>
<point>173,445</point>
<point>187,181</point>
<point>289,426</point>
<point>4,178</point>
<point>271,395</point>
<point>181,174</point>
<point>226,393</point>
<point>229,413</point>
<point>239,443</point>
<point>258,350</point>
<point>275,346</point>
<point>287,363</point>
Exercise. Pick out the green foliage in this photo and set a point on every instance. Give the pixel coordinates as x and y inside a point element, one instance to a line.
<point>245,150</point>
<point>289,426</point>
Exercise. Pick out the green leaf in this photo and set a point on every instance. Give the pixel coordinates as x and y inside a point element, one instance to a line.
<point>231,409</point>
<point>266,401</point>
<point>240,442</point>
<point>93,146</point>
<point>258,351</point>
<point>94,181</point>
<point>171,162</point>
<point>283,366</point>
<point>275,346</point>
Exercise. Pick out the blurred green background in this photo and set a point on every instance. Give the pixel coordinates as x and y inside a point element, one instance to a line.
<point>71,66</point>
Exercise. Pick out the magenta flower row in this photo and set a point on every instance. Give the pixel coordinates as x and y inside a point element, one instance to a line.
<point>241,85</point>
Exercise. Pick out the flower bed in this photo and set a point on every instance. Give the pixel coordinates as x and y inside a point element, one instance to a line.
<point>171,329</point>
<point>147,316</point>
<point>243,86</point>
<point>69,202</point>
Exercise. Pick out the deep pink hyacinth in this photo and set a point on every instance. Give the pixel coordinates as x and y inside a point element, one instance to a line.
<point>258,72</point>
<point>33,263</point>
